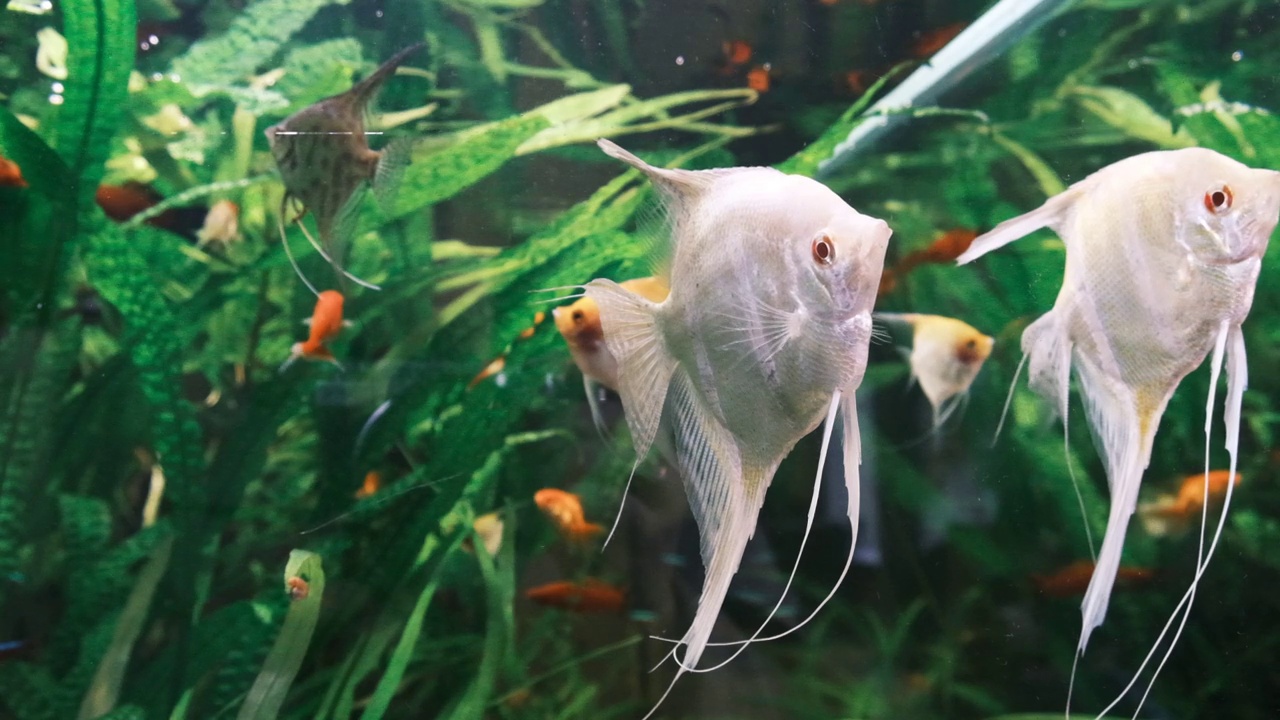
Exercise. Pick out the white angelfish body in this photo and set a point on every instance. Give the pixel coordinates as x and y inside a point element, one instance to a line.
<point>1163,254</point>
<point>764,334</point>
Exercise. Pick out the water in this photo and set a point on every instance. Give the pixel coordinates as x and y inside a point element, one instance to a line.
<point>181,522</point>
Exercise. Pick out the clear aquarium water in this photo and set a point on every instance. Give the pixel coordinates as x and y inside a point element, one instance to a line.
<point>293,420</point>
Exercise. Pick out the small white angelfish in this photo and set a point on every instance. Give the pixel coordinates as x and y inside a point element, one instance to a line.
<point>1163,253</point>
<point>763,335</point>
<point>946,355</point>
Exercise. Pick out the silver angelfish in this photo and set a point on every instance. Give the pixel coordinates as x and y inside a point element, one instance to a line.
<point>1163,254</point>
<point>763,335</point>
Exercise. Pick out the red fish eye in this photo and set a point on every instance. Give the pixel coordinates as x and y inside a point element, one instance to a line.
<point>824,252</point>
<point>1218,201</point>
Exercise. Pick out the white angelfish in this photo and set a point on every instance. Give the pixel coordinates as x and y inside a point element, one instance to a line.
<point>763,335</point>
<point>1163,254</point>
<point>946,355</point>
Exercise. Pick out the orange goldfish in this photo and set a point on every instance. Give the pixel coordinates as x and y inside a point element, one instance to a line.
<point>324,158</point>
<point>759,78</point>
<point>946,355</point>
<point>949,246</point>
<point>326,322</point>
<point>221,225</point>
<point>11,174</point>
<point>588,596</point>
<point>372,484</point>
<point>579,324</point>
<point>1170,513</point>
<point>565,510</point>
<point>489,371</point>
<point>1073,579</point>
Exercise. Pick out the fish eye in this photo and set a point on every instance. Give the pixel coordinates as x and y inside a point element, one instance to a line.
<point>824,251</point>
<point>971,344</point>
<point>1219,201</point>
<point>577,316</point>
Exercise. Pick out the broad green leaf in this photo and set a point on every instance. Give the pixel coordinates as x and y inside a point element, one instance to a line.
<point>1125,111</point>
<point>247,46</point>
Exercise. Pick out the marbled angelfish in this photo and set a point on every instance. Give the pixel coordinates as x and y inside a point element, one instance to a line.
<point>763,335</point>
<point>324,159</point>
<point>1163,253</point>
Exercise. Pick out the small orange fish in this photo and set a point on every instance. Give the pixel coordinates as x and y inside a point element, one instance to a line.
<point>489,371</point>
<point>928,43</point>
<point>588,596</point>
<point>221,225</point>
<point>121,202</point>
<point>11,174</point>
<point>326,323</point>
<point>759,78</point>
<point>565,510</point>
<point>1170,514</point>
<point>737,52</point>
<point>527,333</point>
<point>1073,579</point>
<point>949,246</point>
<point>372,484</point>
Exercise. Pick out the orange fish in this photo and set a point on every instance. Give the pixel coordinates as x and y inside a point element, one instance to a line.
<point>737,52</point>
<point>1170,514</point>
<point>372,484</point>
<point>326,322</point>
<point>949,246</point>
<point>565,510</point>
<point>579,324</point>
<point>538,317</point>
<point>489,371</point>
<point>11,174</point>
<point>928,43</point>
<point>1073,579</point>
<point>758,78</point>
<point>121,202</point>
<point>297,588</point>
<point>588,596</point>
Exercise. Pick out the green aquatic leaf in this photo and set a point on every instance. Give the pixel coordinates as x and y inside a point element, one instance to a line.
<point>255,37</point>
<point>268,693</point>
<point>314,72</point>
<point>1131,114</point>
<point>436,549</point>
<point>101,37</point>
<point>438,173</point>
<point>105,688</point>
<point>806,161</point>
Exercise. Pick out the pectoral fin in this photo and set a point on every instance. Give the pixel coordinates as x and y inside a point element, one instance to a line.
<point>644,364</point>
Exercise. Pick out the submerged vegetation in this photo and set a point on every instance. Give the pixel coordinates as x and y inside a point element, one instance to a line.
<point>189,531</point>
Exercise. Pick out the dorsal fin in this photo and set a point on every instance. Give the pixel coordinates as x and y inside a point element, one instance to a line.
<point>363,91</point>
<point>678,184</point>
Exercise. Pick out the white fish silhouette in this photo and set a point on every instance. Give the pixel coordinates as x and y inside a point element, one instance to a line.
<point>764,334</point>
<point>1163,254</point>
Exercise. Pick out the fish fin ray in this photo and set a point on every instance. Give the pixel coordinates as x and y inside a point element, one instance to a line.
<point>593,402</point>
<point>645,366</point>
<point>1125,445</point>
<point>1047,215</point>
<point>394,159</point>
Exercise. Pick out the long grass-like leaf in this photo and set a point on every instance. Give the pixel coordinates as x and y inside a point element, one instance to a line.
<point>105,688</point>
<point>267,695</point>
